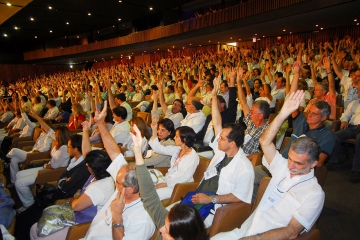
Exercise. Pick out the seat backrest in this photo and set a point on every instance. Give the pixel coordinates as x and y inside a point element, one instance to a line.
<point>339,111</point>
<point>145,116</point>
<point>321,174</point>
<point>255,158</point>
<point>271,117</point>
<point>78,231</point>
<point>278,105</point>
<point>284,143</point>
<point>263,185</point>
<point>201,168</point>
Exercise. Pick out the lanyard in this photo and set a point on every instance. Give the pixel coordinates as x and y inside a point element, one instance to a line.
<point>292,185</point>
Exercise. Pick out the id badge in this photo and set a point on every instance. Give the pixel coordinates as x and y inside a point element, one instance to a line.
<point>275,197</point>
<point>210,173</point>
<point>247,138</point>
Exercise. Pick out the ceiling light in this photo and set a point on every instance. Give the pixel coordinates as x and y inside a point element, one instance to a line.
<point>199,45</point>
<point>50,7</point>
<point>71,66</point>
<point>290,32</point>
<point>144,51</point>
<point>355,20</point>
<point>111,56</point>
<point>316,25</point>
<point>151,8</point>
<point>35,36</point>
<point>321,28</point>
<point>9,4</point>
<point>230,37</point>
<point>255,34</point>
<point>5,35</point>
<point>31,19</point>
<point>89,14</point>
<point>77,37</point>
<point>209,41</point>
<point>120,1</point>
<point>190,44</point>
<point>173,46</point>
<point>158,49</point>
<point>51,31</point>
<point>357,24</point>
<point>263,36</point>
<point>16,28</point>
<point>67,23</point>
<point>284,30</point>
<point>119,19</point>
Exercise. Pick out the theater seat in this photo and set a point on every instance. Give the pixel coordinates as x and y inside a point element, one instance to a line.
<point>77,231</point>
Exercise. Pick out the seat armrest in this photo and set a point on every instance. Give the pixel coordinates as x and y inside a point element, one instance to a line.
<point>78,231</point>
<point>229,217</point>
<point>163,170</point>
<point>23,144</point>
<point>22,139</point>
<point>49,175</point>
<point>62,201</point>
<point>313,234</point>
<point>35,156</point>
<point>335,126</point>
<point>180,191</point>
<point>27,148</point>
<point>38,162</point>
<point>202,147</point>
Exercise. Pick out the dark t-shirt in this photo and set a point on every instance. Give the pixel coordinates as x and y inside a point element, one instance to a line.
<point>212,184</point>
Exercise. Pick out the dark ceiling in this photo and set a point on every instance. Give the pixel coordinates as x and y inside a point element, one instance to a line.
<point>136,13</point>
<point>75,17</point>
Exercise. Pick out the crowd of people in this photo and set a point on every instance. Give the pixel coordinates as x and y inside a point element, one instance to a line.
<point>220,99</point>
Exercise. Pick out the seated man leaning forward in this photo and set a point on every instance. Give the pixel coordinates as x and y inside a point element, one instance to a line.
<point>230,173</point>
<point>125,219</point>
<point>293,199</point>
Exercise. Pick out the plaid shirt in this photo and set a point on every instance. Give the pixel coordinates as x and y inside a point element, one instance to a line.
<point>252,146</point>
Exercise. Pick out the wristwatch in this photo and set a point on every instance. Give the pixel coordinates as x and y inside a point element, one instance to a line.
<point>214,200</point>
<point>117,225</point>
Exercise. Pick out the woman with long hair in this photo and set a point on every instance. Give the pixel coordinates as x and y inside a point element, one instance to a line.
<point>165,135</point>
<point>77,118</point>
<point>184,159</point>
<point>127,148</point>
<point>182,221</point>
<point>92,197</point>
<point>59,158</point>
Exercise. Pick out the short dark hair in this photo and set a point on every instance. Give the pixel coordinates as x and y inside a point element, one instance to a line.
<point>168,125</point>
<point>120,112</point>
<point>98,161</point>
<point>52,102</point>
<point>187,135</point>
<point>264,107</point>
<point>180,101</point>
<point>279,74</point>
<point>324,107</point>
<point>307,145</point>
<point>108,117</point>
<point>121,97</point>
<point>171,87</point>
<point>186,217</point>
<point>38,99</point>
<point>76,141</point>
<point>24,98</point>
<point>236,134</point>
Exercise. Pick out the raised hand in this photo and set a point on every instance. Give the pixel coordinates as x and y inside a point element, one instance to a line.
<point>86,125</point>
<point>117,207</point>
<point>100,116</point>
<point>215,90</point>
<point>292,103</point>
<point>137,138</point>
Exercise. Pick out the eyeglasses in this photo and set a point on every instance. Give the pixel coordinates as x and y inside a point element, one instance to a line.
<point>313,114</point>
<point>252,112</point>
<point>222,138</point>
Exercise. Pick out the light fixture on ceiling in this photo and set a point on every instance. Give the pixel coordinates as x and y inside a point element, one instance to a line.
<point>5,35</point>
<point>50,7</point>
<point>199,45</point>
<point>120,1</point>
<point>158,49</point>
<point>67,23</point>
<point>357,24</point>
<point>16,28</point>
<point>51,31</point>
<point>8,4</point>
<point>284,30</point>
<point>230,37</point>
<point>263,36</point>
<point>71,66</point>
<point>151,8</point>
<point>254,39</point>
<point>321,28</point>
<point>190,44</point>
<point>77,37</point>
<point>355,20</point>
<point>209,41</point>
<point>35,36</point>
<point>316,25</point>
<point>89,14</point>
<point>31,19</point>
<point>119,19</point>
<point>255,34</point>
<point>173,46</point>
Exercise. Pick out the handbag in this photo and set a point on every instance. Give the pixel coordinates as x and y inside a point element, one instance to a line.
<point>55,218</point>
<point>203,209</point>
<point>46,195</point>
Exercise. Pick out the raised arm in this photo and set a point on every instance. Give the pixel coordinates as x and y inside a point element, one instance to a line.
<point>40,120</point>
<point>291,104</point>
<point>161,96</point>
<point>216,117</point>
<point>241,94</point>
<point>326,64</point>
<point>110,145</point>
<point>110,95</point>
<point>85,145</point>
<point>336,67</point>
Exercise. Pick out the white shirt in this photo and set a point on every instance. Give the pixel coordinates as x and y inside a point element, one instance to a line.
<point>121,132</point>
<point>43,143</point>
<point>176,118</point>
<point>169,98</point>
<point>194,120</point>
<point>184,170</point>
<point>352,113</point>
<point>6,116</point>
<point>29,128</point>
<point>52,113</point>
<point>85,103</point>
<point>278,93</point>
<point>128,110</point>
<point>350,92</point>
<point>137,222</point>
<point>303,200</point>
<point>100,191</point>
<point>59,157</point>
